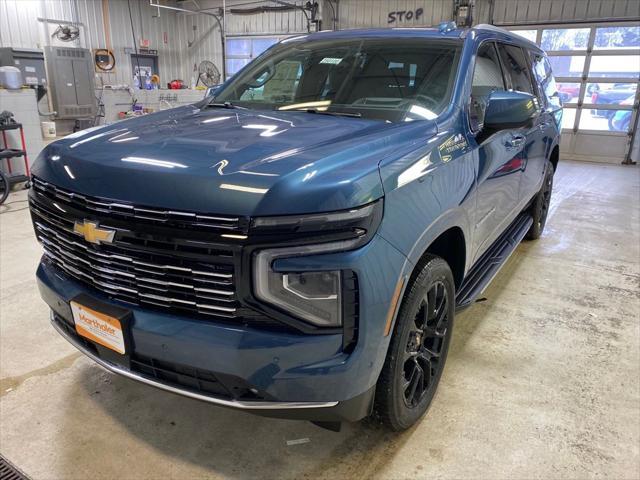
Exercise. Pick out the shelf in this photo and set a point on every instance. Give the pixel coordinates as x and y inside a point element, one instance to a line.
<point>12,153</point>
<point>17,178</point>
<point>11,126</point>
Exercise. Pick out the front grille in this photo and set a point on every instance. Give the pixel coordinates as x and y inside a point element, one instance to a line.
<point>195,379</point>
<point>163,269</point>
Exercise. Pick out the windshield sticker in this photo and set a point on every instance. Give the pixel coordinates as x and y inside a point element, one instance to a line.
<point>451,145</point>
<point>331,60</point>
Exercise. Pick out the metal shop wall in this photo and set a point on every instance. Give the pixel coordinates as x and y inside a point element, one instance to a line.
<point>509,12</point>
<point>182,40</point>
<point>241,20</point>
<point>384,13</point>
<point>103,25</point>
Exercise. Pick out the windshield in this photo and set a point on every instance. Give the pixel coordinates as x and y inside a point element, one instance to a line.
<point>385,79</point>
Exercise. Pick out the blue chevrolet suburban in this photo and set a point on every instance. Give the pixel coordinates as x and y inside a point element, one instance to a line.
<point>298,244</point>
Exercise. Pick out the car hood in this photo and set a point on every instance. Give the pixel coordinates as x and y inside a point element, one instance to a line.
<point>231,161</point>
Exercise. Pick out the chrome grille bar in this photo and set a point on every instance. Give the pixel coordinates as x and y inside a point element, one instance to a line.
<point>159,269</point>
<point>103,283</point>
<point>137,212</point>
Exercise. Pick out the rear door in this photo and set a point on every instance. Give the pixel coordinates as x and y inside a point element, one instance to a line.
<point>516,64</point>
<point>499,156</point>
<point>551,114</point>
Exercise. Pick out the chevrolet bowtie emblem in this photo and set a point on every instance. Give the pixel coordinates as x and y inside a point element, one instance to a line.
<point>92,233</point>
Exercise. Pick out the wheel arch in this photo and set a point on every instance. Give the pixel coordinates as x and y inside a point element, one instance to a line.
<point>448,237</point>
<point>450,245</point>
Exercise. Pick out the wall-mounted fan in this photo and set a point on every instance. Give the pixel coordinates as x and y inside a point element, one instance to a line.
<point>208,74</point>
<point>66,33</point>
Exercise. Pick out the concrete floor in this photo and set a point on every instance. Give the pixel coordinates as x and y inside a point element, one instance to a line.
<point>543,379</point>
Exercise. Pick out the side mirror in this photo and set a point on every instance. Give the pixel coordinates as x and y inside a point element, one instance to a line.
<point>510,110</point>
<point>211,91</point>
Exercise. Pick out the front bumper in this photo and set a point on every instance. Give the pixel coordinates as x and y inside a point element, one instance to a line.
<point>300,376</point>
<point>350,410</point>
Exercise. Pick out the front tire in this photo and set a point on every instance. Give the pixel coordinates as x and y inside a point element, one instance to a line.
<point>540,207</point>
<point>418,348</point>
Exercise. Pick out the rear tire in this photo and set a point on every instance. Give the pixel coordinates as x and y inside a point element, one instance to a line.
<point>419,346</point>
<point>539,209</point>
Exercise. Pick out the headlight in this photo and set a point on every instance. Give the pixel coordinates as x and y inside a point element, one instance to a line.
<point>312,296</point>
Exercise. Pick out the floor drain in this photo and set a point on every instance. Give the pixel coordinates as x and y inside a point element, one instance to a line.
<point>9,472</point>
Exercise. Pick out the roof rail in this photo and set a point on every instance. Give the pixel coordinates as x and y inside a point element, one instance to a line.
<point>493,28</point>
<point>487,26</point>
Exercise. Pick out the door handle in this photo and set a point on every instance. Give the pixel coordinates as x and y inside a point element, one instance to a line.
<point>516,141</point>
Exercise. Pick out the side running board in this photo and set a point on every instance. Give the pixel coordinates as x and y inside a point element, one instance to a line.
<point>491,261</point>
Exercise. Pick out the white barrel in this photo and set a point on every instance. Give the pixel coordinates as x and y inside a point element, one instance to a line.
<point>10,78</point>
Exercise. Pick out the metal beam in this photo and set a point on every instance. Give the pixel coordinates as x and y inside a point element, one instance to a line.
<point>62,22</point>
<point>201,12</point>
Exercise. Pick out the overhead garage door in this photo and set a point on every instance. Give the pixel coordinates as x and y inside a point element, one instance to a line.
<point>242,49</point>
<point>597,68</point>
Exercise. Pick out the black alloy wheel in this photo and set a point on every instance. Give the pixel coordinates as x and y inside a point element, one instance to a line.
<point>419,346</point>
<point>423,352</point>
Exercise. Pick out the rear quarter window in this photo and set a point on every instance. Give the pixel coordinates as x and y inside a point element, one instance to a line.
<point>544,76</point>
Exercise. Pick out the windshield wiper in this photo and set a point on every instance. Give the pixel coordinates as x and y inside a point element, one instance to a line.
<point>335,114</point>
<point>224,105</point>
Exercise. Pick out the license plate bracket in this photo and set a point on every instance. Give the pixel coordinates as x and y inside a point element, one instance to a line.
<point>105,325</point>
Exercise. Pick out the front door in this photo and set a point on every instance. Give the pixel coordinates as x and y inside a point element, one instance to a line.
<point>500,156</point>
<point>516,66</point>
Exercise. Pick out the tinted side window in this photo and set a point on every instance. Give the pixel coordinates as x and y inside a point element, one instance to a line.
<point>542,72</point>
<point>487,78</point>
<point>516,70</point>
